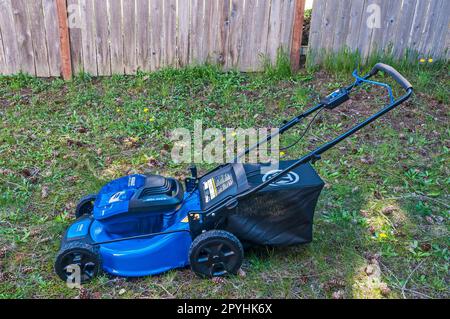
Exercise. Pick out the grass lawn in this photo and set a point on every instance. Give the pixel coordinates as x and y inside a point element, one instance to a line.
<point>382,222</point>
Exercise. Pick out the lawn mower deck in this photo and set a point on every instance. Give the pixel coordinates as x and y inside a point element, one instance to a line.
<point>142,225</point>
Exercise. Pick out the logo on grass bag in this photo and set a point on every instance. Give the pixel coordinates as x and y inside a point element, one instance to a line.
<point>288,179</point>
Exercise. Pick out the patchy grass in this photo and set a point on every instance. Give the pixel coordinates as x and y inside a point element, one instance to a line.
<point>381,227</point>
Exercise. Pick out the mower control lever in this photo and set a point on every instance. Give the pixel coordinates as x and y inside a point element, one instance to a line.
<point>335,99</point>
<point>393,73</point>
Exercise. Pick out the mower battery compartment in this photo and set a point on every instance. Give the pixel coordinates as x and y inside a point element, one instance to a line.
<point>138,204</point>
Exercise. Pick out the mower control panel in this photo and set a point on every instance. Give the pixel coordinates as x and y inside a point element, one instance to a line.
<point>335,99</point>
<point>217,185</point>
<point>222,182</point>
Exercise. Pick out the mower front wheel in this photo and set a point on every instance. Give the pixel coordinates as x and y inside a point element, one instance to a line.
<point>85,205</point>
<point>78,261</point>
<point>216,253</point>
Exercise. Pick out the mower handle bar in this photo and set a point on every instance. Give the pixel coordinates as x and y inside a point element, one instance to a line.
<point>315,154</point>
<point>400,79</point>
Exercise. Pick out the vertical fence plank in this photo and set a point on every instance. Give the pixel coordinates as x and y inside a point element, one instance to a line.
<point>235,34</point>
<point>342,25</point>
<point>355,20</point>
<point>143,34</point>
<point>438,25</point>
<point>390,22</point>
<point>214,23</point>
<point>3,69</point>
<point>102,38</point>
<point>52,36</point>
<point>446,50</point>
<point>37,25</point>
<point>10,47</point>
<point>206,29</point>
<point>89,37</point>
<point>66,66</point>
<point>129,36</point>
<point>183,32</point>
<point>430,27</point>
<point>116,36</point>
<point>273,35</point>
<point>223,40</point>
<point>23,36</point>
<point>297,33</point>
<point>404,24</point>
<point>169,31</point>
<point>329,23</point>
<point>377,33</point>
<point>418,26</point>
<point>156,21</point>
<point>247,49</point>
<point>366,32</point>
<point>196,36</point>
<point>260,31</point>
<point>286,24</point>
<point>316,22</point>
<point>437,42</point>
<point>75,34</point>
<point>217,37</point>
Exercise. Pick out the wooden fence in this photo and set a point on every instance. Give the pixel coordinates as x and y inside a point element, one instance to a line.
<point>122,36</point>
<point>393,26</point>
<point>29,37</point>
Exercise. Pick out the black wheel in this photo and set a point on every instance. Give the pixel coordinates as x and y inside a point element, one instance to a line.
<point>216,253</point>
<point>85,205</point>
<point>80,254</point>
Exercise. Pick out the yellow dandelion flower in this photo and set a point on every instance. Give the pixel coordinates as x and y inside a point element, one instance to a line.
<point>430,60</point>
<point>146,110</point>
<point>118,110</point>
<point>282,153</point>
<point>152,119</point>
<point>422,60</point>
<point>382,235</point>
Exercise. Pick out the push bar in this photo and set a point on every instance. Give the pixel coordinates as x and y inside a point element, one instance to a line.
<point>400,79</point>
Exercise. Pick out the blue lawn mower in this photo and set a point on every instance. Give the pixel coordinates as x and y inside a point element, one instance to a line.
<point>142,225</point>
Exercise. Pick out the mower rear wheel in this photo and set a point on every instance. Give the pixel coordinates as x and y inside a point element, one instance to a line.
<point>78,255</point>
<point>216,253</point>
<point>85,205</point>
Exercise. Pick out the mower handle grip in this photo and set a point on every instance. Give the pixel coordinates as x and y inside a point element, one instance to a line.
<point>393,73</point>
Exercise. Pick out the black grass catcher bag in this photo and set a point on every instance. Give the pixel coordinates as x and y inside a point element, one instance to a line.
<point>280,214</point>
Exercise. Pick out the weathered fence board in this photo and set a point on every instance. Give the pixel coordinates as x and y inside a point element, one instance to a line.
<point>88,37</point>
<point>23,36</point>
<point>122,36</point>
<point>38,37</point>
<point>420,26</point>
<point>183,33</point>
<point>50,17</point>
<point>129,36</point>
<point>75,34</point>
<point>10,46</point>
<point>235,37</point>
<point>116,34</point>
<point>102,37</point>
<point>2,57</point>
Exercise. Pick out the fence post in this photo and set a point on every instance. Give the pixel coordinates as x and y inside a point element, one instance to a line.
<point>64,42</point>
<point>297,33</point>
